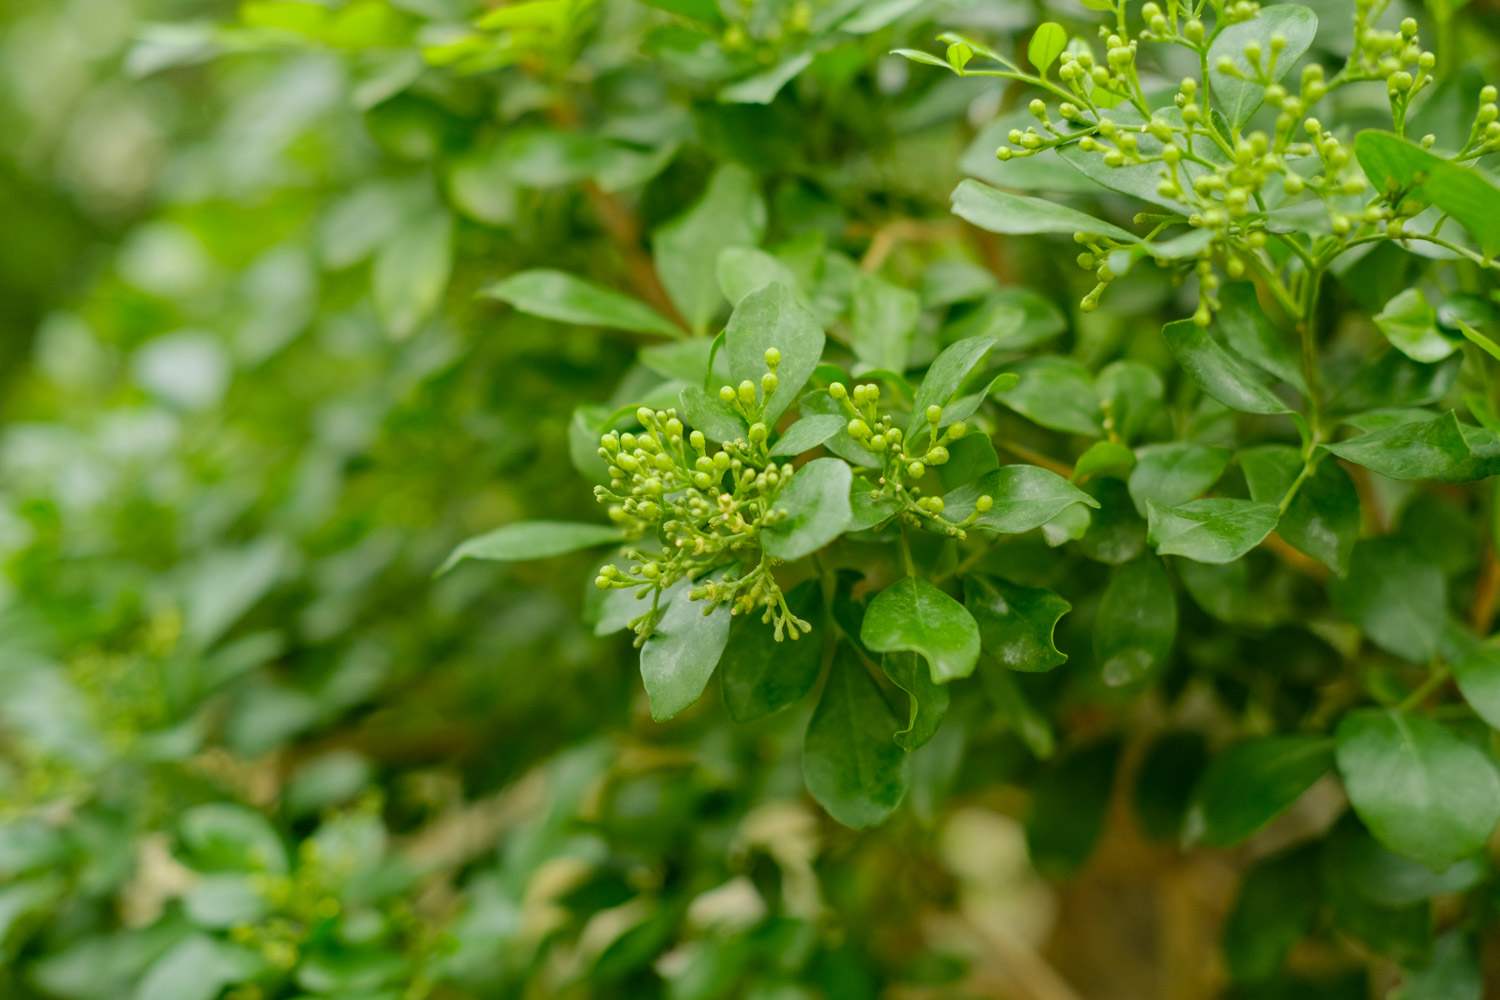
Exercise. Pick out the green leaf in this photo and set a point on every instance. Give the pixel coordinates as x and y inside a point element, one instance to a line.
<point>771,317</point>
<point>1273,911</point>
<point>816,502</point>
<point>411,273</point>
<point>1137,621</point>
<point>969,458</point>
<point>1103,458</point>
<point>762,88</point>
<point>1412,450</point>
<point>806,434</point>
<point>1422,791</point>
<point>1165,782</point>
<point>1390,161</point>
<point>1478,675</point>
<point>841,444</point>
<point>1239,98</point>
<point>1057,393</point>
<point>1323,519</point>
<point>1410,324</point>
<point>913,615</point>
<point>1116,533</point>
<point>929,700</point>
<point>741,270</point>
<point>1397,596</point>
<point>1252,783</point>
<point>761,676</point>
<point>1018,215</point>
<point>1217,372</point>
<point>568,299</point>
<point>1018,715</point>
<point>708,413</point>
<point>1453,973</point>
<point>680,656</point>
<point>221,836</point>
<point>882,323</point>
<point>1175,472</point>
<point>1386,878</point>
<point>198,968</point>
<point>1130,395</point>
<point>850,764</point>
<point>1217,530</point>
<point>1047,43</point>
<point>944,376</point>
<point>1024,496</point>
<point>1248,332</point>
<point>686,250</point>
<point>1016,623</point>
<point>533,540</point>
<point>1068,806</point>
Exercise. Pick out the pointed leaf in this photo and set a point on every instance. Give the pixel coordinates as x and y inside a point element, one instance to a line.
<point>1239,97</point>
<point>680,656</point>
<point>533,540</point>
<point>569,299</point>
<point>1410,450</point>
<point>1018,215</point>
<point>1252,783</point>
<point>1217,372</point>
<point>913,615</point>
<point>1137,621</point>
<point>946,373</point>
<point>760,675</point>
<point>816,502</point>
<point>1025,497</point>
<point>771,317</point>
<point>850,764</point>
<point>1016,623</point>
<point>1212,531</point>
<point>686,250</point>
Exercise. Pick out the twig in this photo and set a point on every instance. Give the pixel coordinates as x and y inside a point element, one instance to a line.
<point>1486,592</point>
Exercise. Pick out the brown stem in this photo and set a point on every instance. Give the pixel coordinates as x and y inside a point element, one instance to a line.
<point>1486,592</point>
<point>625,232</point>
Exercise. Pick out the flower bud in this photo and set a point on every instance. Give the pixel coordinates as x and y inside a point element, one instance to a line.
<point>957,430</point>
<point>937,456</point>
<point>934,413</point>
<point>773,358</point>
<point>916,470</point>
<point>697,440</point>
<point>858,429</point>
<point>768,383</point>
<point>747,392</point>
<point>757,432</point>
<point>726,394</point>
<point>837,390</point>
<point>984,503</point>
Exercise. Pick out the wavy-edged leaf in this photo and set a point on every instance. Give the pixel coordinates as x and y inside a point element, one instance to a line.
<point>1016,623</point>
<point>912,615</point>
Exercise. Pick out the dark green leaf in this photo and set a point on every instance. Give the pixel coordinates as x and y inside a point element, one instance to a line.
<point>1252,783</point>
<point>850,764</point>
<point>1217,372</point>
<point>816,502</point>
<point>929,701</point>
<point>1056,393</point>
<point>1397,596</point>
<point>1103,458</point>
<point>1218,530</point>
<point>1019,716</point>
<point>1240,97</point>
<point>1068,806</point>
<point>1412,450</point>
<point>1423,792</point>
<point>568,299</point>
<point>1478,676</point>
<point>913,615</point>
<point>1323,519</point>
<point>1016,623</point>
<point>1392,162</point>
<point>708,413</point>
<point>868,509</point>
<point>680,656</point>
<point>760,675</point>
<point>969,458</point>
<point>841,444</point>
<point>1130,394</point>
<point>1174,473</point>
<point>1274,910</point>
<point>1386,878</point>
<point>1137,621</point>
<point>1249,332</point>
<point>771,317</point>
<point>1024,496</point>
<point>1165,782</point>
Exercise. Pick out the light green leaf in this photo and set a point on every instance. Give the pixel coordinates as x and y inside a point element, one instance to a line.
<point>1047,43</point>
<point>1024,496</point>
<point>882,323</point>
<point>761,676</point>
<point>1239,98</point>
<point>708,413</point>
<point>1410,450</point>
<point>680,656</point>
<point>1410,324</point>
<point>686,250</point>
<point>411,273</point>
<point>762,88</point>
<point>1217,372</point>
<point>1478,675</point>
<point>1391,162</point>
<point>850,764</point>
<point>806,434</point>
<point>841,444</point>
<point>929,700</point>
<point>1422,791</point>
<point>1103,458</point>
<point>1252,783</point>
<point>1218,530</point>
<point>1016,623</point>
<point>1057,393</point>
<point>533,540</point>
<point>1323,519</point>
<point>198,968</point>
<point>222,836</point>
<point>871,510</point>
<point>944,376</point>
<point>1137,621</point>
<point>1017,215</point>
<point>771,317</point>
<point>568,299</point>
<point>816,502</point>
<point>742,270</point>
<point>913,615</point>
<point>1175,472</point>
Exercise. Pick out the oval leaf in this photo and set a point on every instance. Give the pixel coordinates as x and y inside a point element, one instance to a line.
<point>912,615</point>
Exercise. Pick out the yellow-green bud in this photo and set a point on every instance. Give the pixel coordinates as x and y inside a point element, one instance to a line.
<point>768,383</point>
<point>773,358</point>
<point>747,392</point>
<point>938,455</point>
<point>916,470</point>
<point>726,394</point>
<point>757,433</point>
<point>858,429</point>
<point>934,413</point>
<point>984,503</point>
<point>837,390</point>
<point>957,430</point>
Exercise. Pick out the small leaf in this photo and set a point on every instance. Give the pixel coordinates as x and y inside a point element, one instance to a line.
<point>221,836</point>
<point>1397,596</point>
<point>1130,394</point>
<point>762,88</point>
<point>1016,623</point>
<point>1410,450</point>
<point>1478,676</point>
<point>1047,43</point>
<point>771,317</point>
<point>411,273</point>
<point>944,376</point>
<point>1018,215</point>
<point>870,510</point>
<point>741,270</point>
<point>1239,96</point>
<point>1103,458</point>
<point>708,413</point>
<point>680,656</point>
<point>1217,372</point>
<point>1137,622</point>
<point>1390,161</point>
<point>533,540</point>
<point>1068,805</point>
<point>761,676</point>
<point>686,250</point>
<point>1323,519</point>
<point>1252,783</point>
<point>816,502</point>
<point>1410,324</point>
<point>929,701</point>
<point>198,968</point>
<point>806,434</point>
<point>850,764</point>
<point>569,299</point>
<point>1174,473</point>
<point>1217,530</point>
<point>1057,393</point>
<point>1024,496</point>
<point>882,323</point>
<point>1422,791</point>
<point>913,615</point>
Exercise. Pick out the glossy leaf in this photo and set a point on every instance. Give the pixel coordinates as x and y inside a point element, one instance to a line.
<point>913,615</point>
<point>1411,450</point>
<point>929,701</point>
<point>1239,97</point>
<point>1323,519</point>
<point>686,250</point>
<point>1410,323</point>
<point>1422,791</point>
<point>1174,473</point>
<point>1217,530</point>
<point>1057,393</point>
<point>1024,497</point>
<point>806,434</point>
<point>1397,595</point>
<point>1217,372</point>
<point>772,317</point>
<point>1016,623</point>
<point>708,413</point>
<point>533,540</point>
<point>1460,191</point>
<point>817,508</point>
<point>850,764</point>
<point>1252,783</point>
<point>569,299</point>
<point>1249,332</point>
<point>1137,622</point>
<point>680,656</point>
<point>761,676</point>
<point>944,376</point>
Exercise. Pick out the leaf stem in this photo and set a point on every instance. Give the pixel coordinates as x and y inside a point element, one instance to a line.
<point>1436,679</point>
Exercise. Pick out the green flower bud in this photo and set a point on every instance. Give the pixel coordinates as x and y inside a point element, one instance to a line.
<point>957,430</point>
<point>627,462</point>
<point>935,504</point>
<point>697,440</point>
<point>837,390</point>
<point>877,442</point>
<point>773,358</point>
<point>858,429</point>
<point>664,462</point>
<point>768,383</point>
<point>747,392</point>
<point>721,460</point>
<point>984,503</point>
<point>937,456</point>
<point>934,413</point>
<point>757,433</point>
<point>916,470</point>
<point>726,394</point>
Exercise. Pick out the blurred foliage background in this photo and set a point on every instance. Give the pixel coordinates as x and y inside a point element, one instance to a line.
<point>249,746</point>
